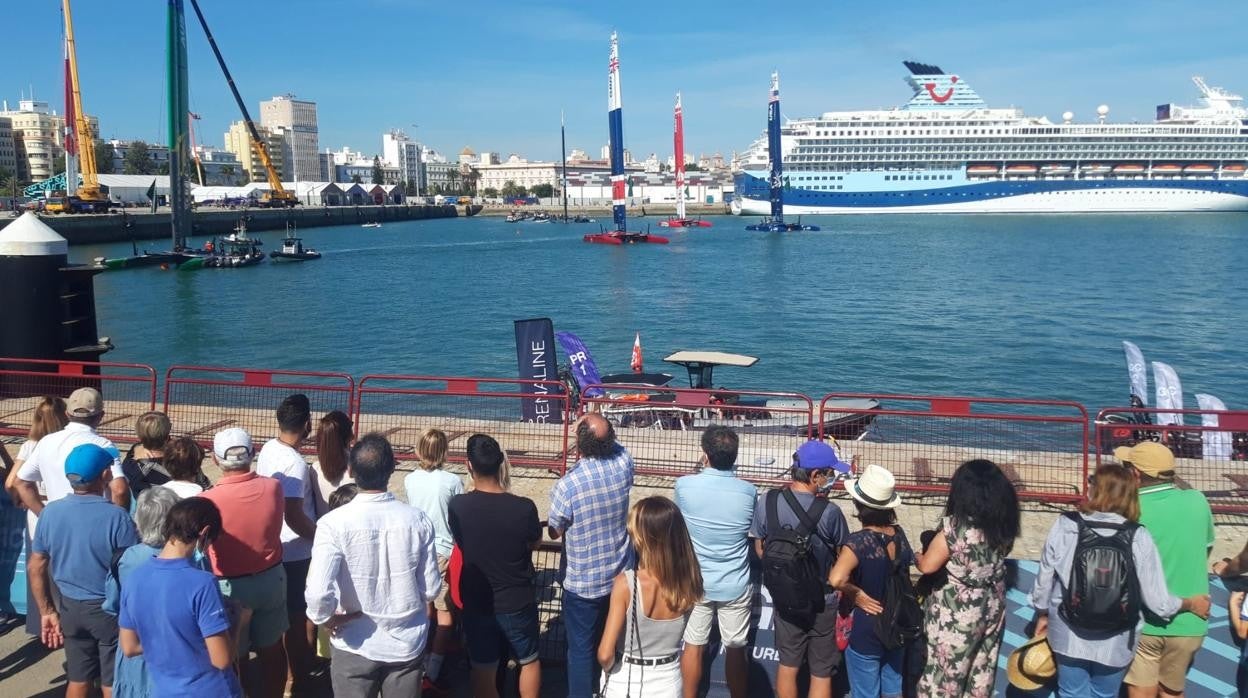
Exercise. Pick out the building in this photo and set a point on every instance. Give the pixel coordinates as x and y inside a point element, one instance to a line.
<point>326,162</point>
<point>157,155</point>
<point>591,184</point>
<point>295,119</point>
<point>132,189</point>
<point>238,142</point>
<point>519,172</point>
<point>363,169</point>
<point>8,151</point>
<point>221,167</point>
<point>441,177</point>
<point>38,138</point>
<point>403,153</point>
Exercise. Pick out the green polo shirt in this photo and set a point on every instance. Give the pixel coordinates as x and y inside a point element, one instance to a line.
<point>1181,525</point>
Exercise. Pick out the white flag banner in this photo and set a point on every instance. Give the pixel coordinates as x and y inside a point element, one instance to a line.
<point>1169,393</point>
<point>1137,370</point>
<point>1216,445</point>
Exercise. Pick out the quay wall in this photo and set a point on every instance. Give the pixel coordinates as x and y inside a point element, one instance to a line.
<point>634,210</point>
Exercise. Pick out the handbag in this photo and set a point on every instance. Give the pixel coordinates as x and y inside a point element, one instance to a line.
<point>844,623</point>
<point>602,692</point>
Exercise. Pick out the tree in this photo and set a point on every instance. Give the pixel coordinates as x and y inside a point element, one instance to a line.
<point>544,191</point>
<point>355,179</point>
<point>227,174</point>
<point>137,160</point>
<point>104,154</point>
<point>379,175</point>
<point>451,177</point>
<point>510,189</point>
<point>411,188</point>
<point>58,166</point>
<point>692,168</point>
<point>8,182</point>
<point>490,193</point>
<point>162,168</point>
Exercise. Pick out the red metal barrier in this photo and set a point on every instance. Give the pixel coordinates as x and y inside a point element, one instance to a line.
<point>662,427</point>
<point>129,390</point>
<point>1040,444</point>
<point>1212,459</point>
<point>202,400</point>
<point>402,407</point>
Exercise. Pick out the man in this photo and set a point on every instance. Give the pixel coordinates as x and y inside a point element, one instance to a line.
<point>46,464</point>
<point>809,640</point>
<point>280,459</point>
<point>718,508</point>
<point>77,536</point>
<point>247,557</point>
<point>590,506</point>
<point>497,532</point>
<point>1181,525</point>
<point>372,582</point>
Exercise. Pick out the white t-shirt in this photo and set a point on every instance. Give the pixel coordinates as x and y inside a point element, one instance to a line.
<point>1243,611</point>
<point>322,488</point>
<point>287,466</point>
<point>23,454</point>
<point>46,462</point>
<point>431,492</point>
<point>183,489</point>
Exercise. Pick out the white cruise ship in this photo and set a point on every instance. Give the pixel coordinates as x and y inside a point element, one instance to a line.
<point>946,151</point>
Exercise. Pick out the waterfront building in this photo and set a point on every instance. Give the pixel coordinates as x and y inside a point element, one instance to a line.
<point>441,176</point>
<point>363,169</point>
<point>519,172</point>
<point>467,156</point>
<point>591,184</point>
<point>157,156</point>
<point>325,166</point>
<point>8,151</point>
<point>221,167</point>
<point>346,156</point>
<point>38,138</point>
<point>238,141</point>
<point>295,119</point>
<point>402,153</point>
<point>132,189</point>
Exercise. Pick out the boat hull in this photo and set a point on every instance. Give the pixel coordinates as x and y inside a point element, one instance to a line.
<point>625,239</point>
<point>150,259</point>
<point>684,223</point>
<point>294,257</point>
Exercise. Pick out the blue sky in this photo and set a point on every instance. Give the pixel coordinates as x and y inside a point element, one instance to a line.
<point>494,75</point>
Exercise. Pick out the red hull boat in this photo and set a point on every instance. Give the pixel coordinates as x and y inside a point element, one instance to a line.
<point>618,238</point>
<point>684,223</point>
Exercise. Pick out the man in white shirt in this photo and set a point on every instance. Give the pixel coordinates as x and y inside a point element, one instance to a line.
<point>46,464</point>
<point>280,459</point>
<point>372,582</point>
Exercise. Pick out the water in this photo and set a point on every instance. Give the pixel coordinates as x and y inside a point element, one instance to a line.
<point>1016,306</point>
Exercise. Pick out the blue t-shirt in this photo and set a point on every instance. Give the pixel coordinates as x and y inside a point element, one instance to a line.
<point>173,607</point>
<point>79,534</point>
<point>719,508</point>
<point>873,569</point>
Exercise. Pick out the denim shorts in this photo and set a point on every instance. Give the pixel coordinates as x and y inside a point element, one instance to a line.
<point>487,634</point>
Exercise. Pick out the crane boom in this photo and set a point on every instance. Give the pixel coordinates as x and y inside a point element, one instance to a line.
<point>90,190</point>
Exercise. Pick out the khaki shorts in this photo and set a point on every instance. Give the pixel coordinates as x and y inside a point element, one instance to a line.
<point>443,600</point>
<point>265,594</point>
<point>1163,661</point>
<point>733,617</point>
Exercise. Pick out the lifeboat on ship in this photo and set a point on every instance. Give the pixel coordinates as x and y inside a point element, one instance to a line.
<point>1167,168</point>
<point>1055,170</point>
<point>1129,168</point>
<point>1199,168</point>
<point>982,170</point>
<point>1020,170</point>
<point>1234,168</point>
<point>1095,169</point>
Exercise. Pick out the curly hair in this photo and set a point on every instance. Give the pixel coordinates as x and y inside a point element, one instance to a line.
<point>981,496</point>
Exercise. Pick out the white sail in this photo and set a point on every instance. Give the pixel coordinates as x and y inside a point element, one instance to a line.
<point>1169,393</point>
<point>1137,371</point>
<point>1216,445</point>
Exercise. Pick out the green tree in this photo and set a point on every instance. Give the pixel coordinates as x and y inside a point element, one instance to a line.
<point>162,168</point>
<point>104,157</point>
<point>379,176</point>
<point>58,166</point>
<point>692,168</point>
<point>138,159</point>
<point>452,177</point>
<point>510,189</point>
<point>8,182</point>
<point>355,179</point>
<point>544,191</point>
<point>227,174</point>
<point>490,192</point>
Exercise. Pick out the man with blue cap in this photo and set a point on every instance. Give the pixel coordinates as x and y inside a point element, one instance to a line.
<point>805,638</point>
<point>76,539</point>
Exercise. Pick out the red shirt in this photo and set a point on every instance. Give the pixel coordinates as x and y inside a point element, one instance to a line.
<point>252,509</point>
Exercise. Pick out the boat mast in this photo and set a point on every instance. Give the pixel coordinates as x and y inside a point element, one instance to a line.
<point>179,152</point>
<point>70,133</point>
<point>83,142</point>
<point>680,161</point>
<point>563,149</point>
<point>774,156</point>
<point>616,142</point>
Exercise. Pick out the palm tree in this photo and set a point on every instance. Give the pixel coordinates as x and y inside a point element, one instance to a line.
<point>451,176</point>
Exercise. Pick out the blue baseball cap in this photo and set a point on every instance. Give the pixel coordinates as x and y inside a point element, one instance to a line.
<point>86,463</point>
<point>818,455</point>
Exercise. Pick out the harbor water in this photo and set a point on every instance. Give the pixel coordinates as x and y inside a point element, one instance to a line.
<point>1013,306</point>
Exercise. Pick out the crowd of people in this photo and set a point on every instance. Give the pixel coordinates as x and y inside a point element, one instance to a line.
<point>157,582</point>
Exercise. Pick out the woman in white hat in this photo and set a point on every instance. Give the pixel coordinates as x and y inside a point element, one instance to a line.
<point>864,563</point>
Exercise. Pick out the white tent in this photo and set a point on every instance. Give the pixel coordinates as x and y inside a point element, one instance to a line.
<point>132,189</point>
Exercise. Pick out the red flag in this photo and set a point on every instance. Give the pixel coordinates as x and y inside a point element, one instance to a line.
<point>637,354</point>
<point>71,138</point>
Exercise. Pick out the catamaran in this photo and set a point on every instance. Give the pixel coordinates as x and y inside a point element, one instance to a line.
<point>678,142</point>
<point>775,223</point>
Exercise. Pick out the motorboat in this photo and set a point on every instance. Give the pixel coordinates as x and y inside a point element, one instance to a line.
<point>373,224</point>
<point>1199,168</point>
<point>517,216</point>
<point>236,250</point>
<point>1168,168</point>
<point>982,170</point>
<point>293,250</point>
<point>773,225</point>
<point>1020,170</point>
<point>1129,168</point>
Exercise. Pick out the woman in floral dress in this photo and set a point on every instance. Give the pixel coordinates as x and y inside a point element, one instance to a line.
<point>965,617</point>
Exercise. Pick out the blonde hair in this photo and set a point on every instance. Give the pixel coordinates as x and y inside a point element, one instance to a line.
<point>1116,491</point>
<point>664,549</point>
<point>49,418</point>
<point>153,429</point>
<point>432,449</point>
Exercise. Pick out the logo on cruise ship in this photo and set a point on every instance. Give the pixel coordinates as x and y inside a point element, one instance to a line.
<point>940,99</point>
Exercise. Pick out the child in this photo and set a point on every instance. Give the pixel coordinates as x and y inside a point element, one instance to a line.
<point>337,498</point>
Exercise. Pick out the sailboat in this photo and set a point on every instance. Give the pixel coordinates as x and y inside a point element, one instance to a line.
<point>775,223</point>
<point>681,221</point>
<point>621,235</point>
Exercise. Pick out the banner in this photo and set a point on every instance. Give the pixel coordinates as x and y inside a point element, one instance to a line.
<point>1216,445</point>
<point>1169,393</point>
<point>584,370</point>
<point>535,357</point>
<point>1137,370</point>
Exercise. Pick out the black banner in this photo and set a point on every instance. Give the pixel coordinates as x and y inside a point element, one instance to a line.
<point>537,359</point>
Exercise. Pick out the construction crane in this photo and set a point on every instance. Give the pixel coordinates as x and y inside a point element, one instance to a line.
<point>88,198</point>
<point>277,196</point>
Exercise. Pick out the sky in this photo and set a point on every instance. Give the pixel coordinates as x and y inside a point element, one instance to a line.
<point>494,75</point>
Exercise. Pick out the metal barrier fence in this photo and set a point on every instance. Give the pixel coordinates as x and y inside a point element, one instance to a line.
<point>1212,458</point>
<point>129,390</point>
<point>553,640</point>
<point>402,407</point>
<point>662,427</point>
<point>1040,445</point>
<point>201,400</point>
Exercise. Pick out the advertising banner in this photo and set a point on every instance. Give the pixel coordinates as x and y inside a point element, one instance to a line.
<point>537,361</point>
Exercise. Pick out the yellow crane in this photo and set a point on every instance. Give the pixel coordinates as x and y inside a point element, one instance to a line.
<point>88,198</point>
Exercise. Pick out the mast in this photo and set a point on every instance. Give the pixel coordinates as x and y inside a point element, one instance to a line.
<point>680,161</point>
<point>179,152</point>
<point>774,156</point>
<point>70,131</point>
<point>563,149</point>
<point>616,142</point>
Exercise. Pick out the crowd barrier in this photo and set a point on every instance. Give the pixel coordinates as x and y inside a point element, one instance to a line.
<point>128,389</point>
<point>1212,458</point>
<point>532,427</point>
<point>663,427</point>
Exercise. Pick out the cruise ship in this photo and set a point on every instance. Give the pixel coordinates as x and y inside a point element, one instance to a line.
<point>946,151</point>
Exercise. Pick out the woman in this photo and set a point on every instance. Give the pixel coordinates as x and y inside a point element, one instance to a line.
<point>861,569</point>
<point>1237,609</point>
<point>430,489</point>
<point>172,614</point>
<point>1094,663</point>
<point>144,465</point>
<point>184,461</point>
<point>334,435</point>
<point>130,679</point>
<point>971,543</point>
<point>49,417</point>
<point>640,647</point>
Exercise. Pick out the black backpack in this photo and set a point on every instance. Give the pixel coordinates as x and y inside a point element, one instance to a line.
<point>1103,595</point>
<point>901,621</point>
<point>790,571</point>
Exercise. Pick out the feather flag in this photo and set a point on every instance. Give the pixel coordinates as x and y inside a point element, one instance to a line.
<point>1137,371</point>
<point>637,362</point>
<point>1216,445</point>
<point>1169,393</point>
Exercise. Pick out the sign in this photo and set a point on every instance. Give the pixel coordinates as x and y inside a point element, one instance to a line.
<point>536,359</point>
<point>581,362</point>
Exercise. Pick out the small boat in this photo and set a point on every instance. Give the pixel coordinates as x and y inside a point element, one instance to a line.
<point>684,223</point>
<point>582,219</point>
<point>1167,168</point>
<point>541,217</point>
<point>1131,168</point>
<point>1055,169</point>
<point>1235,168</point>
<point>982,170</point>
<point>1020,170</point>
<point>517,216</point>
<point>373,224</point>
<point>1200,168</point>
<point>680,220</point>
<point>1095,169</point>
<point>233,251</point>
<point>293,250</point>
<point>770,225</point>
<point>619,237</point>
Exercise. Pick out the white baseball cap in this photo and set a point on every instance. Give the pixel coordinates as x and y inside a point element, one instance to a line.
<point>232,446</point>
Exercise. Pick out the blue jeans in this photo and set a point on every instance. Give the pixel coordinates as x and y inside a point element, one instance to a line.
<point>874,676</point>
<point>583,620</point>
<point>1079,678</point>
<point>486,634</point>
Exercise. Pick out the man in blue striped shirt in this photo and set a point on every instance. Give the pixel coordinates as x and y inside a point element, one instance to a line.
<point>589,507</point>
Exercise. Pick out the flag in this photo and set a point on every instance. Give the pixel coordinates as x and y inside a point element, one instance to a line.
<point>1137,371</point>
<point>637,363</point>
<point>71,119</point>
<point>1169,393</point>
<point>535,354</point>
<point>583,368</point>
<point>151,191</point>
<point>1215,445</point>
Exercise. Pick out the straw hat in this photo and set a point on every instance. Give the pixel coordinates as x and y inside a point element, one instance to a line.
<point>874,488</point>
<point>1031,666</point>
